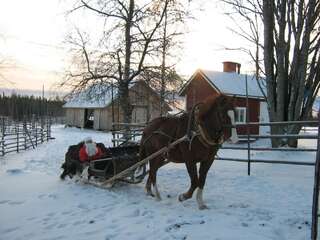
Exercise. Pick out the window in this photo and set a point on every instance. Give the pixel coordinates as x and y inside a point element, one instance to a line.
<point>241,114</point>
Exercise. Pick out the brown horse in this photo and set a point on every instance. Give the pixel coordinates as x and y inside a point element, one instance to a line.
<point>205,127</point>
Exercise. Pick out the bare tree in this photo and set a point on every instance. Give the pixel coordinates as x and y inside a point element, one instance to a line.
<point>165,78</point>
<point>128,42</point>
<point>291,46</point>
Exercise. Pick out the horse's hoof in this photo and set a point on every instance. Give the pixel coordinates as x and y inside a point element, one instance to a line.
<point>203,207</point>
<point>149,193</point>
<point>182,198</point>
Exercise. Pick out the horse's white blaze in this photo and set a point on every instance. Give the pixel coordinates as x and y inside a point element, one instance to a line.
<point>200,198</point>
<point>234,136</point>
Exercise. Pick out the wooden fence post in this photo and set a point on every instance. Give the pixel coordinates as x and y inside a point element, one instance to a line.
<point>36,132</point>
<point>24,127</point>
<point>17,133</point>
<point>2,136</point>
<point>49,128</point>
<point>42,126</point>
<point>315,204</point>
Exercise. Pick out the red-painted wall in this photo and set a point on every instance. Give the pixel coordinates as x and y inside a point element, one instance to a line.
<point>254,111</point>
<point>199,89</point>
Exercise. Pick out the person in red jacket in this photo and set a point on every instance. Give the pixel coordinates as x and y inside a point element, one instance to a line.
<point>89,151</point>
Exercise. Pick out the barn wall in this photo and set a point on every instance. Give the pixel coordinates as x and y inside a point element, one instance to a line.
<point>69,117</point>
<point>79,117</point>
<point>96,122</point>
<point>145,102</point>
<point>75,117</point>
<point>103,119</point>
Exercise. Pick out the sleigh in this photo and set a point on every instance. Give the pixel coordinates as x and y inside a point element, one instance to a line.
<point>120,159</point>
<point>115,160</point>
<point>120,163</point>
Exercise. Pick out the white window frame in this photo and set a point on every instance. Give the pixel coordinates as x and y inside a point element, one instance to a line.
<point>241,111</point>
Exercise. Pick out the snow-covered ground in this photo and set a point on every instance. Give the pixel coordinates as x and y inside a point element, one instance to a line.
<point>273,203</point>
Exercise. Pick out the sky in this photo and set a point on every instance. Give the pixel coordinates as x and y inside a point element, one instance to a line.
<point>33,33</point>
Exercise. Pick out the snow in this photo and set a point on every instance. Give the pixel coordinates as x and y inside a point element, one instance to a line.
<point>94,97</point>
<point>234,83</point>
<point>273,203</point>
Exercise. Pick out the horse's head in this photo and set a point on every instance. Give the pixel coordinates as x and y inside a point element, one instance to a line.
<point>215,113</point>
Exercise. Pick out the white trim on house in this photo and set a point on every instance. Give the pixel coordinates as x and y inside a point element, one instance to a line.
<point>241,114</point>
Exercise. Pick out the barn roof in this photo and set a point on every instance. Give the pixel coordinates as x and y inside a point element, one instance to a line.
<point>229,83</point>
<point>97,96</point>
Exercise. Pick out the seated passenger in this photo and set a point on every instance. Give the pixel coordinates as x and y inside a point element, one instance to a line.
<point>89,151</point>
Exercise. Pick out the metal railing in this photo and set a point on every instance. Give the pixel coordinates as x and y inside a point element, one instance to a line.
<point>250,149</point>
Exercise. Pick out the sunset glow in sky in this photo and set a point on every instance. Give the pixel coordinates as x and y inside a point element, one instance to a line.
<point>32,34</point>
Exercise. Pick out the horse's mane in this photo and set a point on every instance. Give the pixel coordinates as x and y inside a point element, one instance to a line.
<point>210,103</point>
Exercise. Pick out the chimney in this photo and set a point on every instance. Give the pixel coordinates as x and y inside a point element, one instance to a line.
<point>231,67</point>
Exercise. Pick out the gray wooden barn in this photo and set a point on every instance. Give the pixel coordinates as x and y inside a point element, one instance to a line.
<point>95,109</point>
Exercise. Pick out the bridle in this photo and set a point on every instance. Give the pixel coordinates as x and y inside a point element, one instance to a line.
<point>201,132</point>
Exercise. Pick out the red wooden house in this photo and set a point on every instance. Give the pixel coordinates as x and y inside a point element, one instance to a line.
<point>204,83</point>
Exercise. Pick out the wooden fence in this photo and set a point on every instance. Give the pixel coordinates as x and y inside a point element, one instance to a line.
<point>20,136</point>
<point>120,136</point>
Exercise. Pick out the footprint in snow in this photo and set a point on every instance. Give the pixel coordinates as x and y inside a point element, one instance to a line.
<point>238,205</point>
<point>4,201</point>
<point>77,223</point>
<point>66,212</point>
<point>62,225</point>
<point>135,213</point>
<point>16,202</point>
<point>9,230</point>
<point>14,171</point>
<point>83,206</point>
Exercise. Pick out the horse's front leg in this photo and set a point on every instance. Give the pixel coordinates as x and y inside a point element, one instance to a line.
<point>204,168</point>
<point>192,170</point>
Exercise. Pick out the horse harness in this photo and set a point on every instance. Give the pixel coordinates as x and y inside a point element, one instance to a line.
<point>195,129</point>
<point>200,132</point>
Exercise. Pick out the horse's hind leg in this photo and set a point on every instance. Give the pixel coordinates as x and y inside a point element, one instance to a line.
<point>152,178</point>
<point>192,170</point>
<point>148,185</point>
<point>155,186</point>
<point>204,168</point>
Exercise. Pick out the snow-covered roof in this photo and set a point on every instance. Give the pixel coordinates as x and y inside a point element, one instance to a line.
<point>93,97</point>
<point>230,83</point>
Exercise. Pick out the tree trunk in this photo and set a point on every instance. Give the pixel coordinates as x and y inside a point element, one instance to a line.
<point>125,103</point>
<point>163,65</point>
<point>126,107</point>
